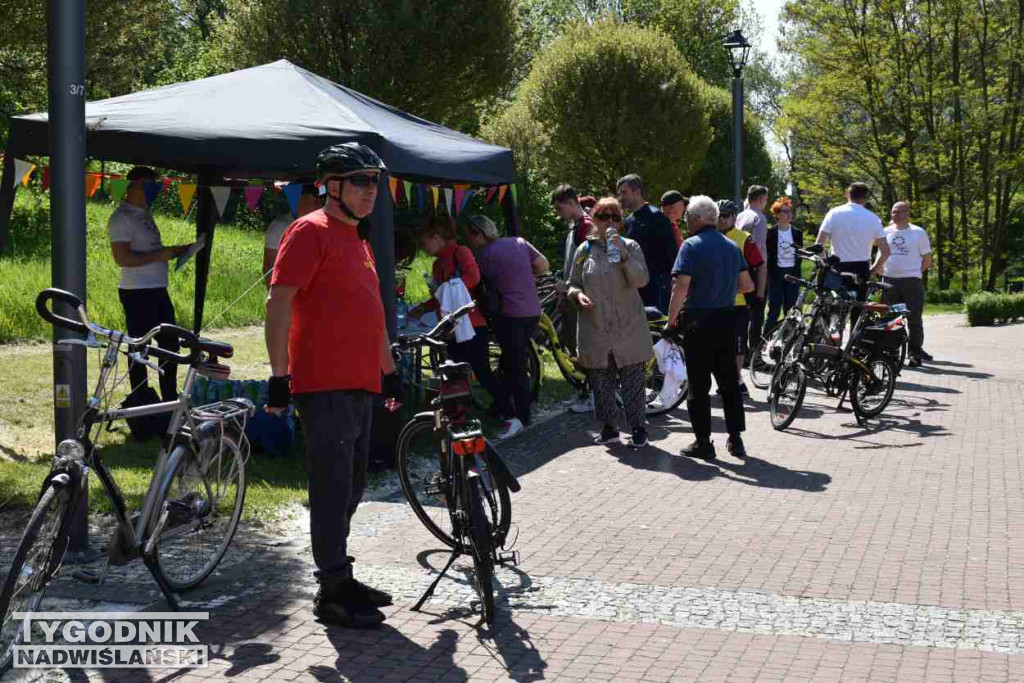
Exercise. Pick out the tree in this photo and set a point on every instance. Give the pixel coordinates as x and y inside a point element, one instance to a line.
<point>607,99</point>
<point>440,61</point>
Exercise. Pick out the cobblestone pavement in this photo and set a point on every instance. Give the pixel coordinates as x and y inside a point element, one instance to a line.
<point>890,552</point>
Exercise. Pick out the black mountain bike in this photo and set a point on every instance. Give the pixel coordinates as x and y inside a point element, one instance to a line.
<point>455,480</point>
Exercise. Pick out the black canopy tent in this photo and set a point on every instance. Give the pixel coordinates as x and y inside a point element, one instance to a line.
<point>268,122</point>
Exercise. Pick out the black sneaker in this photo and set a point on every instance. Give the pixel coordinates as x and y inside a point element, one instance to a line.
<point>607,435</point>
<point>735,447</point>
<point>924,355</point>
<point>344,605</point>
<point>375,596</point>
<point>705,450</point>
<point>913,362</point>
<point>638,439</point>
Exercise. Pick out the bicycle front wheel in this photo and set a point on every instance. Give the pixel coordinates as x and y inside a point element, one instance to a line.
<point>786,395</point>
<point>869,397</point>
<point>767,352</point>
<point>425,483</point>
<point>203,501</point>
<point>37,558</point>
<point>655,402</point>
<point>480,539</point>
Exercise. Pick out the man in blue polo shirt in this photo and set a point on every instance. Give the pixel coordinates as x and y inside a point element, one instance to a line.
<point>708,273</point>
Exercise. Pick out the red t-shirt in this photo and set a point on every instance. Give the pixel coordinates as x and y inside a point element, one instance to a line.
<point>444,270</point>
<point>337,330</point>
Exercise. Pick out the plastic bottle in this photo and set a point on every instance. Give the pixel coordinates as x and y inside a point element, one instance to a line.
<point>614,255</point>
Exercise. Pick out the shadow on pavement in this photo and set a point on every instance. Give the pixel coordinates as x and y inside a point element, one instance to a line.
<point>929,370</point>
<point>756,472</point>
<point>924,388</point>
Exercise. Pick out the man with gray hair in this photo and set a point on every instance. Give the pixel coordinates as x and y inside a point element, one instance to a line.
<point>708,273</point>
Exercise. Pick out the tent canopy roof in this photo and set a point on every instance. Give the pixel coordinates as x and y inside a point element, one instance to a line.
<point>269,121</point>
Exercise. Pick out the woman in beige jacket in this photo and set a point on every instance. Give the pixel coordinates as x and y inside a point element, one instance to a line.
<point>613,338</point>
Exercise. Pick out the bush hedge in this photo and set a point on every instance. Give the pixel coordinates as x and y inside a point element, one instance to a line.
<point>944,296</point>
<point>988,308</point>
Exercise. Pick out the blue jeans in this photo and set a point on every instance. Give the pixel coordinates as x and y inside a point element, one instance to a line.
<point>781,294</point>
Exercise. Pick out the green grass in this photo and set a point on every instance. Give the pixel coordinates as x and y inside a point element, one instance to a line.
<point>25,271</point>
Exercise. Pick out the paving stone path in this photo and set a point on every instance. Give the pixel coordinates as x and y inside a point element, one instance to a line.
<point>890,552</point>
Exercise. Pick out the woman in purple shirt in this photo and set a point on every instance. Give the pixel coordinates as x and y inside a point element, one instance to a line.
<point>508,266</point>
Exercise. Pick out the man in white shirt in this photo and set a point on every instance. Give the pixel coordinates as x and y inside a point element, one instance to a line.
<point>853,230</point>
<point>911,254</point>
<point>139,251</point>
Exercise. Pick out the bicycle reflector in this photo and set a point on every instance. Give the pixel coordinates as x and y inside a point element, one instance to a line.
<point>472,446</point>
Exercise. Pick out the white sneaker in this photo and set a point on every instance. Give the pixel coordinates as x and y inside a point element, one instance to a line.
<point>510,429</point>
<point>583,405</point>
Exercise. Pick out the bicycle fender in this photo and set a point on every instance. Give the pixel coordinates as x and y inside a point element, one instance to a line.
<point>500,470</point>
<point>62,478</point>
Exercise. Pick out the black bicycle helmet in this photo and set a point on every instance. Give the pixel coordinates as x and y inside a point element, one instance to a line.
<point>727,206</point>
<point>345,158</point>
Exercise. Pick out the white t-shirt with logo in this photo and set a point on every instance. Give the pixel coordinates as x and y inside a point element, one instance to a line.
<point>787,252</point>
<point>853,231</point>
<point>275,231</point>
<point>906,249</point>
<point>136,226</point>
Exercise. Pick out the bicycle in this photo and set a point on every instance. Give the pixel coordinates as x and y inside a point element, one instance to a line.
<point>460,489</point>
<point>194,500</point>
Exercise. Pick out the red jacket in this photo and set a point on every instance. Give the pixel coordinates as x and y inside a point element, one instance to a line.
<point>444,270</point>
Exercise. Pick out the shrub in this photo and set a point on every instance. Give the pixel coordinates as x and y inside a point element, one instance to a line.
<point>944,296</point>
<point>987,308</point>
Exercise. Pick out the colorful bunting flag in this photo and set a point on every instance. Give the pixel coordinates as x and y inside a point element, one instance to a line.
<point>465,200</point>
<point>46,178</point>
<point>434,191</point>
<point>118,187</point>
<point>185,193</point>
<point>92,183</point>
<point>252,196</point>
<point>408,192</point>
<point>448,201</point>
<point>490,194</point>
<point>22,170</point>
<point>462,186</point>
<point>293,191</point>
<point>221,194</point>
<point>515,199</point>
<point>393,185</point>
<point>152,192</point>
<point>460,194</point>
<point>501,193</point>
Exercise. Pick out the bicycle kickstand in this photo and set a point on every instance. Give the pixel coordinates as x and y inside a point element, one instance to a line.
<point>433,586</point>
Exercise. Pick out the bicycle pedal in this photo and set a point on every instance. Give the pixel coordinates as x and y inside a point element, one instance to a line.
<point>90,576</point>
<point>509,558</point>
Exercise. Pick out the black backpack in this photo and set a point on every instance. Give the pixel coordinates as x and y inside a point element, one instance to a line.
<point>146,426</point>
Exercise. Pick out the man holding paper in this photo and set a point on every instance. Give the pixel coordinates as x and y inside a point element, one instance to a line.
<point>139,251</point>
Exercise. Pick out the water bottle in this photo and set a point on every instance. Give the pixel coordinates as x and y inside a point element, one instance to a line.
<point>614,255</point>
<point>400,311</point>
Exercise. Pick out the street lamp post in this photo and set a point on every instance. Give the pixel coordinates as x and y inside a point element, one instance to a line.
<point>739,50</point>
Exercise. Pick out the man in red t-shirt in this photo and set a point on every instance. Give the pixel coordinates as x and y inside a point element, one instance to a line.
<point>328,344</point>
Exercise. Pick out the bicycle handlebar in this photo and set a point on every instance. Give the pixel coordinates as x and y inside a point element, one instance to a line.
<point>59,320</point>
<point>442,329</point>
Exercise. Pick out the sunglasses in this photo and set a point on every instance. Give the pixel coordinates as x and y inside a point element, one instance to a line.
<point>726,215</point>
<point>363,181</point>
<point>606,216</point>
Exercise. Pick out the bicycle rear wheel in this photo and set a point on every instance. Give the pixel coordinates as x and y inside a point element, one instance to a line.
<point>37,558</point>
<point>655,403</point>
<point>786,395</point>
<point>480,538</point>
<point>203,500</point>
<point>767,352</point>
<point>533,366</point>
<point>870,397</point>
<point>418,460</point>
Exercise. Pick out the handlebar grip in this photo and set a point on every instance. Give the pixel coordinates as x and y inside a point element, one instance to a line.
<point>792,278</point>
<point>171,357</point>
<point>53,294</point>
<point>880,285</point>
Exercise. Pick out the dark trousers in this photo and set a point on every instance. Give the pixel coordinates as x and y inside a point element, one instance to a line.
<point>909,291</point>
<point>781,294</point>
<point>514,389</point>
<point>144,309</point>
<point>336,429</point>
<point>657,291</point>
<point>475,352</point>
<point>755,309</point>
<point>709,343</point>
<point>862,269</point>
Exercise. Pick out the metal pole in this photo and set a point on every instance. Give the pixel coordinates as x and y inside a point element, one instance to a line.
<point>382,239</point>
<point>66,64</point>
<point>737,138</point>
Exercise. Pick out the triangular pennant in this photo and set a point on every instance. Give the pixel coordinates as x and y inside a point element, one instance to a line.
<point>152,192</point>
<point>46,178</point>
<point>118,187</point>
<point>448,201</point>
<point>515,198</point>
<point>221,194</point>
<point>393,184</point>
<point>460,194</point>
<point>252,196</point>
<point>433,191</point>
<point>185,193</point>
<point>490,194</point>
<point>408,192</point>
<point>22,170</point>
<point>465,200</point>
<point>462,186</point>
<point>293,191</point>
<point>501,193</point>
<point>92,183</point>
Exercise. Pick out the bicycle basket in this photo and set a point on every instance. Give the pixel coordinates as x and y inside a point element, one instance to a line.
<point>878,338</point>
<point>456,397</point>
